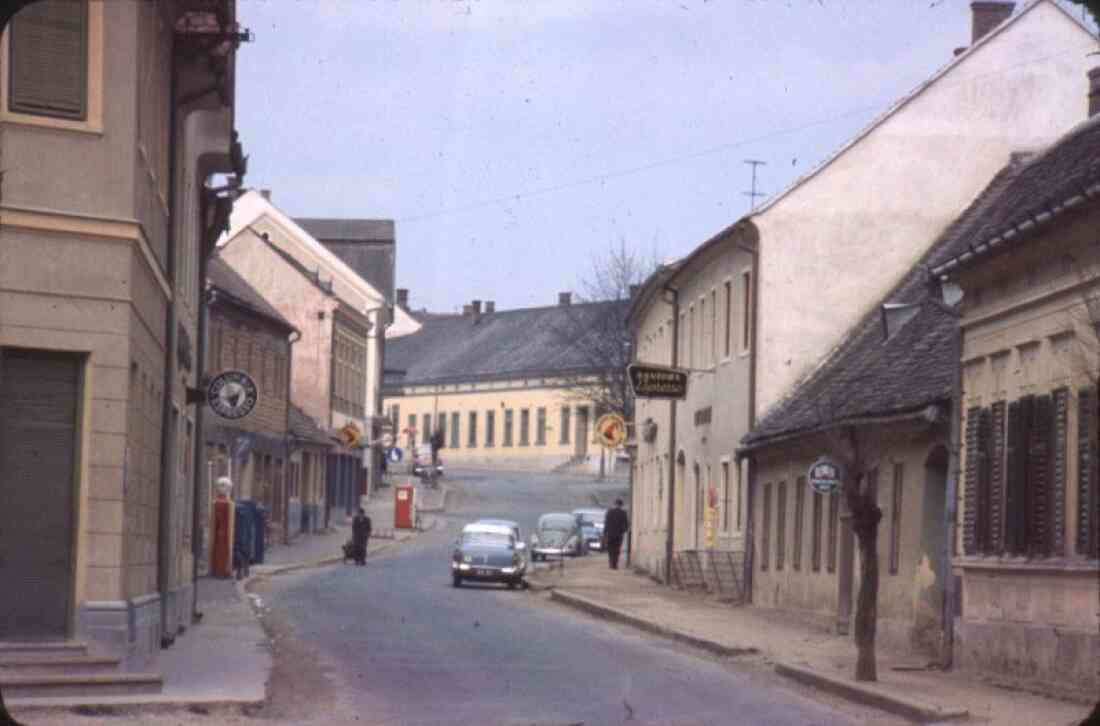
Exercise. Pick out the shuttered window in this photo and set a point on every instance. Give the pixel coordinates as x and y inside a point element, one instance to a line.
<point>48,69</point>
<point>996,525</point>
<point>781,525</point>
<point>895,517</point>
<point>455,422</point>
<point>834,524</point>
<point>970,483</point>
<point>1060,444</point>
<point>815,534</point>
<point>765,529</point>
<point>471,431</point>
<point>1088,503</point>
<point>799,511</point>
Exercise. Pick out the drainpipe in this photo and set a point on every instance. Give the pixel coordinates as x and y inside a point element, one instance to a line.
<point>294,337</point>
<point>950,590</point>
<point>167,452</point>
<point>750,473</point>
<point>198,465</point>
<point>670,532</point>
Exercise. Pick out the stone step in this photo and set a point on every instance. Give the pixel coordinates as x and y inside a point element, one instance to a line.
<point>35,664</point>
<point>61,648</point>
<point>85,686</point>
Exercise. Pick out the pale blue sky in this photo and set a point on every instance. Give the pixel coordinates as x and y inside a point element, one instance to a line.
<point>512,141</point>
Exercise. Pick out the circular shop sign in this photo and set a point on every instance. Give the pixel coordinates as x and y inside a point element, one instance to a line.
<point>232,394</point>
<point>824,475</point>
<point>611,430</point>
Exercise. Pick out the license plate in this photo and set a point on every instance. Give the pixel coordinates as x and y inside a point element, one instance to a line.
<point>485,573</point>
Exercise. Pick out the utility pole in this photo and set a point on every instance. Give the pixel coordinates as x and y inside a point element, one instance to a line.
<point>752,194</point>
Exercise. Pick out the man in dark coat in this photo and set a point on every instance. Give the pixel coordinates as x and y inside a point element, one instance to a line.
<point>615,527</point>
<point>360,535</point>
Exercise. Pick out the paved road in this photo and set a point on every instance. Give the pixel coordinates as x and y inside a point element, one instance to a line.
<point>402,646</point>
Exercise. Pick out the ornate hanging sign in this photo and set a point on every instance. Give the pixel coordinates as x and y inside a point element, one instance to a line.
<point>824,475</point>
<point>232,394</point>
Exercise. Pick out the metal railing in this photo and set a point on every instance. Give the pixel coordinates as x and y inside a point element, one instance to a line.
<point>715,571</point>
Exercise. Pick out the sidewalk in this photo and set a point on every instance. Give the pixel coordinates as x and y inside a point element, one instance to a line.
<point>798,650</point>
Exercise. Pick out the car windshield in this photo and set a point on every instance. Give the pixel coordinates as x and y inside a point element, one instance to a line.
<point>486,539</point>
<point>562,523</point>
<point>589,519</point>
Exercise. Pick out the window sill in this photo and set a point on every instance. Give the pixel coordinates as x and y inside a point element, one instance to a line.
<point>52,124</point>
<point>1021,564</point>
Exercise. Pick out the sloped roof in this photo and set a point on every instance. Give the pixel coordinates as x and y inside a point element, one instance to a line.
<point>1037,192</point>
<point>305,428</point>
<point>365,245</point>
<point>359,230</point>
<point>869,377</point>
<point>503,344</point>
<point>226,280</point>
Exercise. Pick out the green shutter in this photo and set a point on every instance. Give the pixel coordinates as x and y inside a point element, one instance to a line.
<point>49,59</point>
<point>1058,473</point>
<point>1039,478</point>
<point>997,478</point>
<point>1088,503</point>
<point>970,485</point>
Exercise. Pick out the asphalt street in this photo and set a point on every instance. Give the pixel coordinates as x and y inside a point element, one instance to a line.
<point>400,645</point>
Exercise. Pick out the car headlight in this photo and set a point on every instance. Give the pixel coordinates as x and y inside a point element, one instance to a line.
<point>507,570</point>
<point>463,566</point>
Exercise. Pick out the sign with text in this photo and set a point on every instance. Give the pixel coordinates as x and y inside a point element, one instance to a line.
<point>649,381</point>
<point>824,475</point>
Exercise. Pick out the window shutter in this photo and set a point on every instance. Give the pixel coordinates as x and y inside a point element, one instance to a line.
<point>970,485</point>
<point>1058,473</point>
<point>765,533</point>
<point>781,525</point>
<point>981,517</point>
<point>49,59</point>
<point>1015,457</point>
<point>834,525</point>
<point>799,506</point>
<point>997,478</point>
<point>1088,543</point>
<point>1039,479</point>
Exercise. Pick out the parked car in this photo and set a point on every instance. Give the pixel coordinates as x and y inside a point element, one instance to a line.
<point>521,546</point>
<point>488,553</point>
<point>422,462</point>
<point>591,522</point>
<point>557,535</point>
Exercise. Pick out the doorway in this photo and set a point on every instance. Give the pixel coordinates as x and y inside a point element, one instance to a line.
<point>581,445</point>
<point>932,566</point>
<point>40,394</point>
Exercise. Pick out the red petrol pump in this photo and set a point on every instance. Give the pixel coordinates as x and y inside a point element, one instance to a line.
<point>404,509</point>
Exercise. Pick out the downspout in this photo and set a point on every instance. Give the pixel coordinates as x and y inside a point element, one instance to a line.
<point>750,473</point>
<point>950,590</point>
<point>167,450</point>
<point>198,465</point>
<point>671,530</point>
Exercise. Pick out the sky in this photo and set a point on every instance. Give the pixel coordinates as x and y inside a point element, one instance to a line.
<point>515,142</point>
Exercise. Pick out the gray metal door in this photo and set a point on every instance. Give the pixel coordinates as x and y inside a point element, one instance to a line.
<point>39,401</point>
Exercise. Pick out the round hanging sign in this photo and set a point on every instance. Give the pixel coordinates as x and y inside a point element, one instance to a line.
<point>611,430</point>
<point>232,394</point>
<point>824,475</point>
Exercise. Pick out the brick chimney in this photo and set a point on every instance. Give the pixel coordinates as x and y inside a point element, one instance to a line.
<point>475,308</point>
<point>1094,91</point>
<point>565,299</point>
<point>403,297</point>
<point>986,15</point>
<point>490,307</point>
<point>467,309</point>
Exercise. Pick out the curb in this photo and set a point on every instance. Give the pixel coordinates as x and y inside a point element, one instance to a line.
<point>605,611</point>
<point>870,695</point>
<point>115,708</point>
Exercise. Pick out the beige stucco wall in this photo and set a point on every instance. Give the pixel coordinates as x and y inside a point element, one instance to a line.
<point>888,195</point>
<point>909,600</point>
<point>1027,331</point>
<point>717,381</point>
<point>497,397</point>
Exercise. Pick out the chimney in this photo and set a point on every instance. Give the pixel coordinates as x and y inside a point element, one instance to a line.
<point>403,297</point>
<point>565,299</point>
<point>490,307</point>
<point>475,308</point>
<point>266,194</point>
<point>467,309</point>
<point>986,15</point>
<point>1094,91</point>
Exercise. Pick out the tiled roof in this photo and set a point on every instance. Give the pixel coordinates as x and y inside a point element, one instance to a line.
<point>305,428</point>
<point>1037,191</point>
<point>363,230</point>
<point>364,245</point>
<point>503,344</point>
<point>869,376</point>
<point>225,279</point>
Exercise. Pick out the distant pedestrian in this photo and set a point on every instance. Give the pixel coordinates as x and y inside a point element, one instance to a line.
<point>615,526</point>
<point>360,536</point>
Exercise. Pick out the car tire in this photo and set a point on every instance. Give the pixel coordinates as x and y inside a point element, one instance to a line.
<point>511,584</point>
<point>456,580</point>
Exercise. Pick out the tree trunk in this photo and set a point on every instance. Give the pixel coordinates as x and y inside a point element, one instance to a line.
<point>865,520</point>
<point>5,717</point>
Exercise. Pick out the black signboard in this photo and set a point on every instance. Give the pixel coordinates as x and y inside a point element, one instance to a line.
<point>657,381</point>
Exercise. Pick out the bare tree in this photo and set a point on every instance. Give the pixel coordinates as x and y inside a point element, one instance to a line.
<point>596,332</point>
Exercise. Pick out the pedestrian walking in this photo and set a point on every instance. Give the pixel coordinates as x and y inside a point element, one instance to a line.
<point>360,536</point>
<point>615,526</point>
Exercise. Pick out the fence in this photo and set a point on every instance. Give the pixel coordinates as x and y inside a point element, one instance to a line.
<point>714,571</point>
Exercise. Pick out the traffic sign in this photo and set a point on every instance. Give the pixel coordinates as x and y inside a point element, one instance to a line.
<point>394,455</point>
<point>650,381</point>
<point>611,430</point>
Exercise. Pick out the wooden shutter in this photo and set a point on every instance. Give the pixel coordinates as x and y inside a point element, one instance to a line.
<point>1088,503</point>
<point>1016,484</point>
<point>834,524</point>
<point>765,529</point>
<point>995,522</point>
<point>1060,449</point>
<point>815,534</point>
<point>781,525</point>
<point>1039,478</point>
<point>49,59</point>
<point>970,485</point>
<point>799,511</point>
<point>895,517</point>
